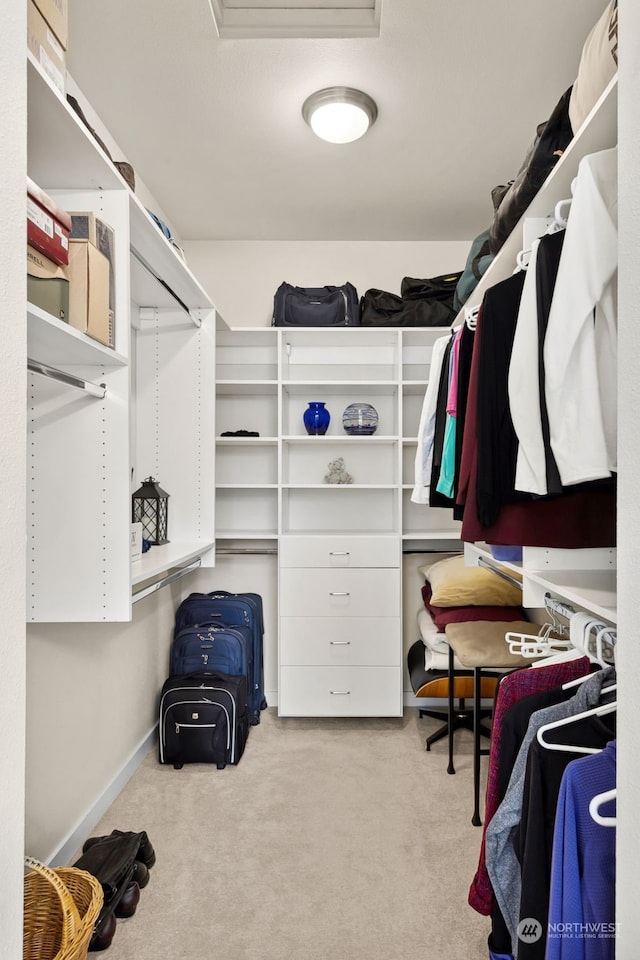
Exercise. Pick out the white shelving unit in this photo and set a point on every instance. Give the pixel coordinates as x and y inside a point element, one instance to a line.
<point>88,454</point>
<point>340,546</point>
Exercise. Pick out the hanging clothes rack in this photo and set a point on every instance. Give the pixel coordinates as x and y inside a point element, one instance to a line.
<point>499,572</point>
<point>98,390</point>
<point>143,263</point>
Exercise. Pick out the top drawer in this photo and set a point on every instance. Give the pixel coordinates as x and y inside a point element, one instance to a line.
<point>339,551</point>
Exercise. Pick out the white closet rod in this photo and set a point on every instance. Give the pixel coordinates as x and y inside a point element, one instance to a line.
<point>171,578</point>
<point>500,573</point>
<point>557,607</point>
<point>143,263</point>
<point>95,389</point>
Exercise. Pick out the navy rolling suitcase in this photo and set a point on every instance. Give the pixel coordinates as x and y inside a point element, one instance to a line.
<point>233,610</point>
<point>203,719</point>
<point>212,647</point>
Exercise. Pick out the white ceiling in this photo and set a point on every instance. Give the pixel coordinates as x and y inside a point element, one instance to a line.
<point>213,126</point>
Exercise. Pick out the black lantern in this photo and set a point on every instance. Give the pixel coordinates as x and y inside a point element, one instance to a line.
<point>150,507</point>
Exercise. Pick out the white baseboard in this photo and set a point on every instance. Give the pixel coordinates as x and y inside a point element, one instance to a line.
<point>62,854</point>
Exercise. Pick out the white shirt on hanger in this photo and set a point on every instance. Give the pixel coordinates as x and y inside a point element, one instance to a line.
<point>524,389</point>
<point>426,429</point>
<point>580,345</point>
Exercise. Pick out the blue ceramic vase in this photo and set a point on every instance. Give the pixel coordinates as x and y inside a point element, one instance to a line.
<point>316,418</point>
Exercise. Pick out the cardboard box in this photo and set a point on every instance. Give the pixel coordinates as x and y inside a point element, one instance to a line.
<point>89,292</point>
<point>47,284</point>
<point>46,48</point>
<point>48,225</point>
<point>56,13</point>
<point>87,226</point>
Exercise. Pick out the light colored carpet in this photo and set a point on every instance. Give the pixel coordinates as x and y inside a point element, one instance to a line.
<point>331,840</point>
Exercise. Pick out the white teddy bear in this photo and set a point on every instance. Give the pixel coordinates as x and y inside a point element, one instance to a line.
<point>337,472</point>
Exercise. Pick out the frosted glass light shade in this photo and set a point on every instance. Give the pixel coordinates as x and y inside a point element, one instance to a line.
<point>339,114</point>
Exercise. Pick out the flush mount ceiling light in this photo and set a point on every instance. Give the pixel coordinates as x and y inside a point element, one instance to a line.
<point>339,114</point>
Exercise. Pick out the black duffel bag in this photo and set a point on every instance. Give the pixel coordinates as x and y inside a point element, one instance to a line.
<point>550,142</point>
<point>316,306</point>
<point>423,303</point>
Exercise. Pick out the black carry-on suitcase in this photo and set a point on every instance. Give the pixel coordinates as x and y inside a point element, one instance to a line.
<point>203,719</point>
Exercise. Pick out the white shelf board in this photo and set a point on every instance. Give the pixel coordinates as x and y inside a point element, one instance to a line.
<point>341,438</point>
<point>246,486</point>
<point>236,388</point>
<point>339,486</point>
<point>160,559</point>
<point>62,154</point>
<point>150,243</point>
<point>594,590</point>
<point>432,535</point>
<point>54,342</point>
<point>246,441</point>
<point>245,535</point>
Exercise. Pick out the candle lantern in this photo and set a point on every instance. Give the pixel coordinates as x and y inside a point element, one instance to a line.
<point>150,507</point>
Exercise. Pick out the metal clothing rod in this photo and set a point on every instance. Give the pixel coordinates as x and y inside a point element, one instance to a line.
<point>163,283</point>
<point>95,389</point>
<point>557,607</point>
<point>171,578</point>
<point>500,573</point>
<point>248,551</point>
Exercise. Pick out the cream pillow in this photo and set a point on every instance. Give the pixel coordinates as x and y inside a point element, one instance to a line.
<point>454,584</point>
<point>598,64</point>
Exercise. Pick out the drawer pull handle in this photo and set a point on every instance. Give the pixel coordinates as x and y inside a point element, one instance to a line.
<point>340,693</point>
<point>340,643</point>
<point>339,553</point>
<point>335,593</point>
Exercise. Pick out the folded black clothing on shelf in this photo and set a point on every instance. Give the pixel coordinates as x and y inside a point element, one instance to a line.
<point>240,433</point>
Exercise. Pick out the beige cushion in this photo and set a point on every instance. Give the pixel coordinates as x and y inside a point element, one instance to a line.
<point>598,65</point>
<point>454,584</point>
<point>481,643</point>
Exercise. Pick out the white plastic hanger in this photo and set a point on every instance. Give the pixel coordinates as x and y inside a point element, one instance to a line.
<point>471,316</point>
<point>570,747</point>
<point>599,800</point>
<point>561,212</point>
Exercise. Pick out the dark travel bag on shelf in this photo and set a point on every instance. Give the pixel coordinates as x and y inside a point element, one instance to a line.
<point>316,306</point>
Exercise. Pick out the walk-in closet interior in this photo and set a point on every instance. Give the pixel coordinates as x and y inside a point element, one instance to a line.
<point>180,126</point>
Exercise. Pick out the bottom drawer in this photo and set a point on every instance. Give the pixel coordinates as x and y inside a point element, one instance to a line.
<point>340,692</point>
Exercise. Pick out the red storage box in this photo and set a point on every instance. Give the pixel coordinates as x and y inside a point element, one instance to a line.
<point>48,225</point>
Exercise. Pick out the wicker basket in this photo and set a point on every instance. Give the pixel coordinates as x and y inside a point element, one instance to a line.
<point>61,907</point>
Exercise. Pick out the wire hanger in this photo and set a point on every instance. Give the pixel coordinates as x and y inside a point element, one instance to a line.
<point>600,711</point>
<point>598,801</point>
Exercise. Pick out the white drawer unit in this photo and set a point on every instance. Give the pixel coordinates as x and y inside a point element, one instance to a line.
<point>336,551</point>
<point>352,691</point>
<point>332,641</point>
<point>340,593</point>
<point>340,643</point>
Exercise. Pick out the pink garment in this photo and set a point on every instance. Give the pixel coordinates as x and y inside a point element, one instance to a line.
<point>452,399</point>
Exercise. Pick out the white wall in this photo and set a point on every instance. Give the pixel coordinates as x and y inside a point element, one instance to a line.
<point>628,834</point>
<point>92,700</point>
<point>13,376</point>
<point>241,277</point>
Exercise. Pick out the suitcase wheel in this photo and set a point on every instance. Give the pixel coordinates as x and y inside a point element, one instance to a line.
<point>220,766</point>
<point>178,766</point>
